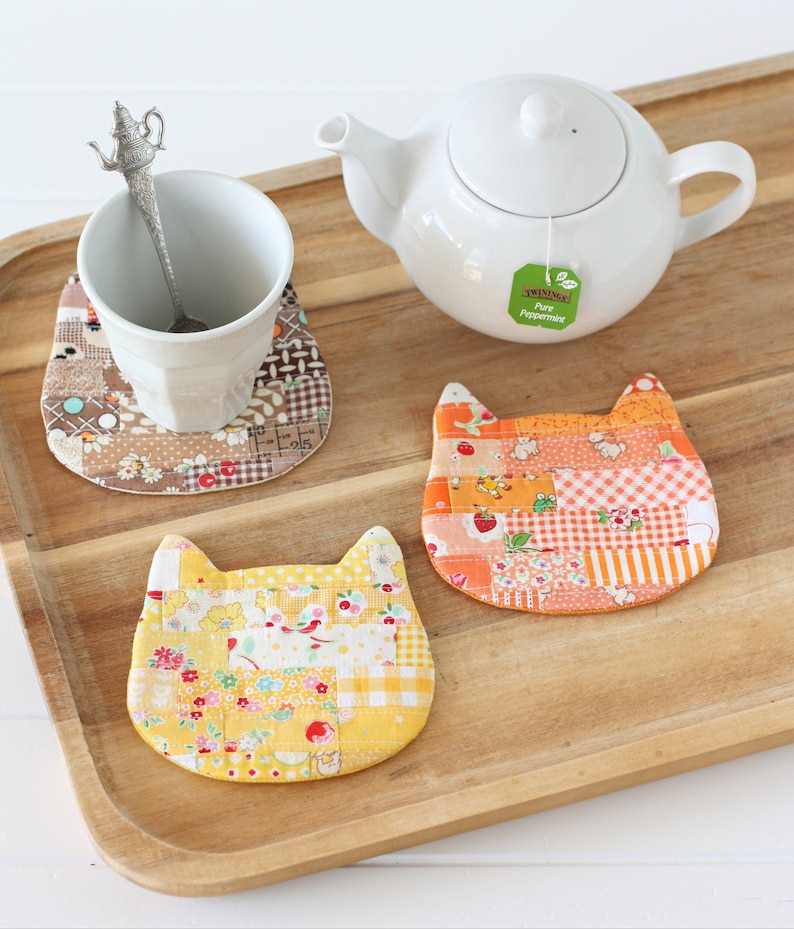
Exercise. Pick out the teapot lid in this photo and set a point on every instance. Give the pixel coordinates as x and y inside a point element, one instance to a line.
<point>537,146</point>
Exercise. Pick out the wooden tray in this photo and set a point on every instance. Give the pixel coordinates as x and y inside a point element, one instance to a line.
<point>531,712</point>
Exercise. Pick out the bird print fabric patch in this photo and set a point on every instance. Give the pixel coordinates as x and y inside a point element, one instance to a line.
<point>567,513</point>
<point>280,674</point>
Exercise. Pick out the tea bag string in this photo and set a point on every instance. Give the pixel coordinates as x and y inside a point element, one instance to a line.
<point>548,256</point>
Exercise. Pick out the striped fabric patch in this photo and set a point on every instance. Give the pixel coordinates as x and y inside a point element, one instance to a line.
<point>672,565</point>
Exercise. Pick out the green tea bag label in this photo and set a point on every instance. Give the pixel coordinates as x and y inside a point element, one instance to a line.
<point>544,297</point>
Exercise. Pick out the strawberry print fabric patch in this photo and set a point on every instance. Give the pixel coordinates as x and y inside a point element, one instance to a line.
<point>95,428</point>
<point>567,513</point>
<point>279,674</point>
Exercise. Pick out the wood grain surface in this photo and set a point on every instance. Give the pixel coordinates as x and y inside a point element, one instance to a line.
<point>530,711</point>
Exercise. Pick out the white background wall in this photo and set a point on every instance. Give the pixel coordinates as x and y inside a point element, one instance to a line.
<point>244,83</point>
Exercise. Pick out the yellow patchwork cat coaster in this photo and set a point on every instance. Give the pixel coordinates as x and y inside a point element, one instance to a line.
<point>568,513</point>
<point>280,674</point>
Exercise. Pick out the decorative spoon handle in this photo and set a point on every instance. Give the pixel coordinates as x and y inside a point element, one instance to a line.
<point>141,184</point>
<point>132,157</point>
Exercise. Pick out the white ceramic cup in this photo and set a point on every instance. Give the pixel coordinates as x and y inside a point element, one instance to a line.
<point>231,250</point>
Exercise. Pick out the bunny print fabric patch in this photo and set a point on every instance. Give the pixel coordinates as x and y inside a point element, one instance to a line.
<point>567,513</point>
<point>280,674</point>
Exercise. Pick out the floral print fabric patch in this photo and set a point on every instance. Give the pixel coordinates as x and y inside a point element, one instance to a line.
<point>280,674</point>
<point>95,428</point>
<point>567,513</point>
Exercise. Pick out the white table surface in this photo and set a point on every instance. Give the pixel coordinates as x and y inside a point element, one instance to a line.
<point>713,847</point>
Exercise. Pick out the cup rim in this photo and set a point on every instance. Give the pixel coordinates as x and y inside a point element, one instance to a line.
<point>209,334</point>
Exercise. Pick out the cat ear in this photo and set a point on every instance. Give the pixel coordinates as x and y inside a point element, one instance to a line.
<point>165,573</point>
<point>455,393</point>
<point>458,409</point>
<point>378,551</point>
<point>377,535</point>
<point>643,386</point>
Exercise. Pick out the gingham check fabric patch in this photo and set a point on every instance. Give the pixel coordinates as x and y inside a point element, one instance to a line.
<point>385,686</point>
<point>645,486</point>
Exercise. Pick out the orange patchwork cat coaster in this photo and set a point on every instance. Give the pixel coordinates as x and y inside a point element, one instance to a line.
<point>280,674</point>
<point>568,513</point>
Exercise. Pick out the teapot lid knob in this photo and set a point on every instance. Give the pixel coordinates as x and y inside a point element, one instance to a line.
<point>537,145</point>
<point>541,115</point>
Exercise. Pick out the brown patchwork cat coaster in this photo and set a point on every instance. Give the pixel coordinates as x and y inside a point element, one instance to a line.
<point>95,428</point>
<point>568,513</point>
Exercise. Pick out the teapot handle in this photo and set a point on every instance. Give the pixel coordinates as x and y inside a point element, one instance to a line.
<point>720,157</point>
<point>154,113</point>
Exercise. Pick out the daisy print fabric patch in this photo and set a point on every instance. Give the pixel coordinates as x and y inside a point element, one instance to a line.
<point>283,673</point>
<point>567,513</point>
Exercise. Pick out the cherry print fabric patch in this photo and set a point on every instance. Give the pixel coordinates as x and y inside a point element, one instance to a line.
<point>567,513</point>
<point>280,674</point>
<point>95,428</point>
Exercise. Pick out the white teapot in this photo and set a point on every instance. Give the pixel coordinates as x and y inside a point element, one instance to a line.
<point>532,208</point>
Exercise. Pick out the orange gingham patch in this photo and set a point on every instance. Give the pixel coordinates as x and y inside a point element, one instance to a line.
<point>646,486</point>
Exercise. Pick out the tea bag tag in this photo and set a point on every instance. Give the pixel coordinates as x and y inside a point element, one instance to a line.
<point>545,296</point>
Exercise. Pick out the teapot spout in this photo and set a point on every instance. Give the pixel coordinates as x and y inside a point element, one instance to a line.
<point>372,170</point>
<point>106,163</point>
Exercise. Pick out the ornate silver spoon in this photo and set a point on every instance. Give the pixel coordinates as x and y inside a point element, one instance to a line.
<point>132,157</point>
